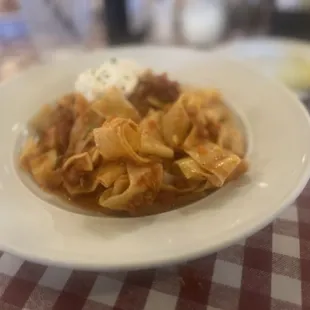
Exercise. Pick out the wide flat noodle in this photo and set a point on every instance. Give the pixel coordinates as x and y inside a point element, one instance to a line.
<point>203,96</point>
<point>119,138</point>
<point>231,138</point>
<point>95,156</point>
<point>193,139</point>
<point>199,179</point>
<point>144,184</point>
<point>206,111</point>
<point>241,169</point>
<point>81,132</point>
<point>80,104</point>
<point>74,123</point>
<point>110,172</point>
<point>87,184</point>
<point>30,150</point>
<point>114,104</point>
<point>176,183</point>
<point>43,119</point>
<point>176,124</point>
<point>155,103</point>
<point>79,162</point>
<point>85,144</point>
<point>215,160</point>
<point>77,176</point>
<point>42,168</point>
<point>119,186</point>
<point>49,139</point>
<point>210,103</point>
<point>78,132</point>
<point>152,142</point>
<point>190,187</point>
<point>191,170</point>
<point>76,102</point>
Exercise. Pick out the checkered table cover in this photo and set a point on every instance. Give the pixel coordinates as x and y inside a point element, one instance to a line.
<point>269,270</point>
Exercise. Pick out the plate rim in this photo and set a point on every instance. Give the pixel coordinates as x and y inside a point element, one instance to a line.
<point>266,40</point>
<point>290,197</point>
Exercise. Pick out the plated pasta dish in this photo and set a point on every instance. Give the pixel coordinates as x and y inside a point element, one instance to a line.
<point>131,142</point>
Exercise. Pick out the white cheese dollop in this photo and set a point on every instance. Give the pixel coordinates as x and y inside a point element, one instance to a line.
<point>120,73</point>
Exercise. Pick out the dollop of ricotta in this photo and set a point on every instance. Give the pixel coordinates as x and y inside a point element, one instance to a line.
<point>121,73</point>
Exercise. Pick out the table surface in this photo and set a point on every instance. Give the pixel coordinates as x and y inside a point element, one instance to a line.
<point>269,270</point>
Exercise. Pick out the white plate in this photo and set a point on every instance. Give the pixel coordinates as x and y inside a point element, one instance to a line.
<point>283,59</point>
<point>277,126</point>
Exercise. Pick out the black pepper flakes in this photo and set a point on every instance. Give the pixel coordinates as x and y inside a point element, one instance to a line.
<point>113,60</point>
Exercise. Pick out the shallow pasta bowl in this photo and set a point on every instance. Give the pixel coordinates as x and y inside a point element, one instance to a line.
<point>277,127</point>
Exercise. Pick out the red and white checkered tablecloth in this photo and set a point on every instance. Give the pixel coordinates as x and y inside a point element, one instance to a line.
<point>269,270</point>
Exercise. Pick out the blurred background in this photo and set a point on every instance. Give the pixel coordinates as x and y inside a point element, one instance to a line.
<point>39,30</point>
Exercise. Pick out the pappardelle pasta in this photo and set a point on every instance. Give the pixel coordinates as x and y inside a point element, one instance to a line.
<point>139,153</point>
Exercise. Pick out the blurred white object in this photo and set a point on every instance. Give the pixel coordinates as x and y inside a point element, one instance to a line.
<point>203,22</point>
<point>163,21</point>
<point>285,60</point>
<point>76,12</point>
<point>292,5</point>
<point>54,23</point>
<point>12,26</point>
<point>138,15</point>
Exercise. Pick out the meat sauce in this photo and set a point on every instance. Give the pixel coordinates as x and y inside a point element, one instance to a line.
<point>155,86</point>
